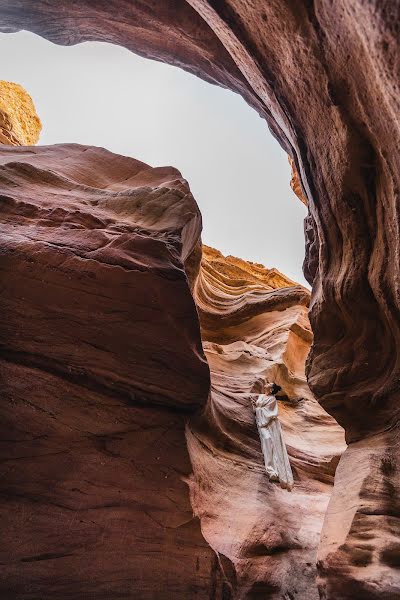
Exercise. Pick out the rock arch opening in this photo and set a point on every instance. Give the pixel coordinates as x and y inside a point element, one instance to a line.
<point>325,77</point>
<point>103,95</point>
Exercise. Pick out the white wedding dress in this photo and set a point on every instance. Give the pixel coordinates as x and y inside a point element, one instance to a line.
<point>274,450</point>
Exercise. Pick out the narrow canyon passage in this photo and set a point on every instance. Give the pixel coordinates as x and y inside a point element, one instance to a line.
<point>107,365</point>
<point>325,77</point>
<point>254,328</point>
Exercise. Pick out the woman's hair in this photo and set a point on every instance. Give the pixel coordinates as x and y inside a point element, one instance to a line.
<point>258,386</point>
<point>275,388</point>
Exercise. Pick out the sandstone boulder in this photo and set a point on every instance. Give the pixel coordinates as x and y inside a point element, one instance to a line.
<point>19,123</point>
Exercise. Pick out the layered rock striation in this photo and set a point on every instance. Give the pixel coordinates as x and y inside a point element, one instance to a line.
<point>106,388</point>
<point>325,77</point>
<point>93,226</point>
<point>101,364</point>
<point>255,329</point>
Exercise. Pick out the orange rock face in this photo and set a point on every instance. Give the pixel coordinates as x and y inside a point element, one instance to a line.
<point>255,328</point>
<point>19,123</point>
<point>295,183</point>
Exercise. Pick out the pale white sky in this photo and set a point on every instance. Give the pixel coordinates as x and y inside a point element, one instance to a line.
<point>103,95</point>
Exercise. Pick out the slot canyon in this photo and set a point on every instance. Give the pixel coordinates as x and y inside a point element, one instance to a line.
<point>131,462</point>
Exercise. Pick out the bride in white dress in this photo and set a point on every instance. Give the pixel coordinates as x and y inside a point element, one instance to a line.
<point>276,459</point>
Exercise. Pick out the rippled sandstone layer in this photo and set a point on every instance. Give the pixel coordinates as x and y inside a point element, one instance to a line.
<point>102,365</point>
<point>255,328</point>
<point>325,75</point>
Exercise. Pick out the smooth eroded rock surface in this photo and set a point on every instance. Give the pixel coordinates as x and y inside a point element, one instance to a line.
<point>101,363</point>
<point>94,286</point>
<point>325,75</point>
<point>101,367</point>
<point>255,328</point>
<point>92,498</point>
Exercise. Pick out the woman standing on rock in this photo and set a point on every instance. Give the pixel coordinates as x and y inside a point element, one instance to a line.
<point>276,459</point>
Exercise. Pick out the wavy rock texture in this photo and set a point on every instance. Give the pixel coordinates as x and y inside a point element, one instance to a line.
<point>101,362</point>
<point>362,538</point>
<point>83,231</point>
<point>19,123</point>
<point>325,75</point>
<point>255,328</point>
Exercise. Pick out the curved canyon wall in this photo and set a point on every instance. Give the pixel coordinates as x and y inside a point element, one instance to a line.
<point>255,329</point>
<point>101,364</point>
<point>325,76</point>
<point>105,387</point>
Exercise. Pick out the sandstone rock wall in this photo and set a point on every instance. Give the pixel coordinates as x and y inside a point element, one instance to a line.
<point>325,77</point>
<point>101,364</point>
<point>19,123</point>
<point>255,328</point>
<point>122,231</point>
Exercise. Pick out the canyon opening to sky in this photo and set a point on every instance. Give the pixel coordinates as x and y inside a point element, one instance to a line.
<point>134,360</point>
<point>104,95</point>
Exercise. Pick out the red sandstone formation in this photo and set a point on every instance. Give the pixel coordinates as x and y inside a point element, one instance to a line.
<point>295,183</point>
<point>325,75</point>
<point>97,224</point>
<point>255,327</point>
<point>101,362</point>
